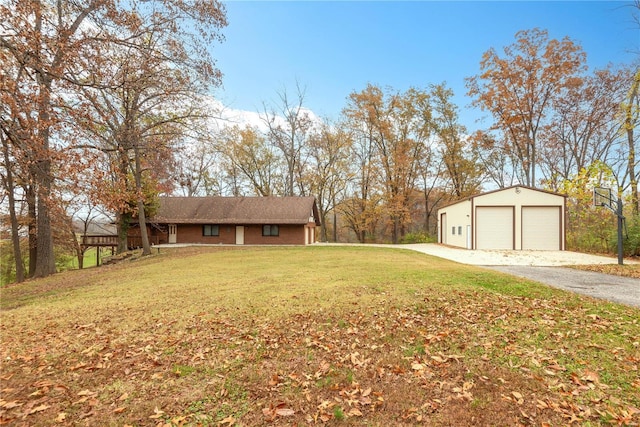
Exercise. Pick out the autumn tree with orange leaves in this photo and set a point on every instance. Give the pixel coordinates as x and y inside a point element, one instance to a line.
<point>394,127</point>
<point>518,88</point>
<point>461,167</point>
<point>46,48</point>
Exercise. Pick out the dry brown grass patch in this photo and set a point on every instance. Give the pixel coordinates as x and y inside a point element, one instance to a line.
<point>312,336</point>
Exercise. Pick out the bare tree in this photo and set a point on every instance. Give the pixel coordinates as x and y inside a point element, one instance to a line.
<point>328,171</point>
<point>288,125</point>
<point>250,162</point>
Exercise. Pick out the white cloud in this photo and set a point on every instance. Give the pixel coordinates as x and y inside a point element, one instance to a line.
<point>227,116</point>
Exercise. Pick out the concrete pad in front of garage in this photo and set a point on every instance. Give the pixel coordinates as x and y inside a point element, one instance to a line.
<point>509,257</point>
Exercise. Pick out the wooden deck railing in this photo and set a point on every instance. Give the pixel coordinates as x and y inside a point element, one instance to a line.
<point>136,241</point>
<point>100,240</point>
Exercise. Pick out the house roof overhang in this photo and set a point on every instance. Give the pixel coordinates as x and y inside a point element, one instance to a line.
<point>237,210</point>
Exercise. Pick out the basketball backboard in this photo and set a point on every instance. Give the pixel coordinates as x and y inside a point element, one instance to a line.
<point>602,197</point>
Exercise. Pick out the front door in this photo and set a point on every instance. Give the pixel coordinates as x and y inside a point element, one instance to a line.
<point>173,233</point>
<point>239,235</point>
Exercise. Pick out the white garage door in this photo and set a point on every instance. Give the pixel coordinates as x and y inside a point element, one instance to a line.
<point>541,227</point>
<point>494,227</point>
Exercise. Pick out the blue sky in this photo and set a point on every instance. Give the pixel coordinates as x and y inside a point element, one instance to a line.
<point>333,48</point>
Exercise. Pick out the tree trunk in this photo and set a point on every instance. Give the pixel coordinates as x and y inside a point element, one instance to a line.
<point>122,225</point>
<point>335,225</point>
<point>80,255</point>
<point>395,230</point>
<point>33,243</point>
<point>45,262</point>
<point>15,236</point>
<point>533,164</point>
<point>142,220</point>
<point>629,126</point>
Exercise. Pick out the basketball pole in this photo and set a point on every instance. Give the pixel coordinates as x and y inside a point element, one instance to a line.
<point>620,224</point>
<point>602,197</point>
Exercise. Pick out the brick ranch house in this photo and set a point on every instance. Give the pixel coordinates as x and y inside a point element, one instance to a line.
<point>231,221</point>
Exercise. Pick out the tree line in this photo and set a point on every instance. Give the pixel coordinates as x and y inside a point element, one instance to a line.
<point>105,106</point>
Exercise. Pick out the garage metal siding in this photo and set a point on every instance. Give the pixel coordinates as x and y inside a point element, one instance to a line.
<point>541,227</point>
<point>495,227</point>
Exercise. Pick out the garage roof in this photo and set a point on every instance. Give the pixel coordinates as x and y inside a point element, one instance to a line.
<point>501,189</point>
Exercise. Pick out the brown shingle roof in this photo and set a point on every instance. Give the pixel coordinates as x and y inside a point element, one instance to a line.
<point>236,210</point>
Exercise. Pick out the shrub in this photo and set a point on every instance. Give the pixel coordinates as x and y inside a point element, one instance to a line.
<point>418,237</point>
<point>631,236</point>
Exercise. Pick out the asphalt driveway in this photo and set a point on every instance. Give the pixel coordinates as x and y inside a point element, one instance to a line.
<point>546,267</point>
<point>623,290</point>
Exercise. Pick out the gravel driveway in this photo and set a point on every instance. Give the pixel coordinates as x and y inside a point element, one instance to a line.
<point>545,267</point>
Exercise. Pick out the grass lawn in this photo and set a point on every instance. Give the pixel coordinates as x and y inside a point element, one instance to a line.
<point>314,335</point>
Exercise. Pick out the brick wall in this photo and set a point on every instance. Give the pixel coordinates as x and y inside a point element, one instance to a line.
<point>288,235</point>
<point>187,233</point>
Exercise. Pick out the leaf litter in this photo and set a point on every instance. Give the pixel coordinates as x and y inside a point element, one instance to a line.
<point>464,357</point>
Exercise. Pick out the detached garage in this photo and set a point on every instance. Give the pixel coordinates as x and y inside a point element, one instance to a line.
<point>511,218</point>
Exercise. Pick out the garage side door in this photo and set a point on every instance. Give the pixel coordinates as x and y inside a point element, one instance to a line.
<point>494,227</point>
<point>541,228</point>
<point>443,228</point>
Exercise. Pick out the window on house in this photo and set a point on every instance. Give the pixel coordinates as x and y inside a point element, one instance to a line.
<point>270,230</point>
<point>460,230</point>
<point>210,230</point>
<point>453,230</point>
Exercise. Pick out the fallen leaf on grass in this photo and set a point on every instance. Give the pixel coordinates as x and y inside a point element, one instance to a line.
<point>285,412</point>
<point>157,413</point>
<point>591,376</point>
<point>9,405</point>
<point>279,410</point>
<point>355,412</point>
<point>229,420</point>
<point>518,396</point>
<point>39,408</point>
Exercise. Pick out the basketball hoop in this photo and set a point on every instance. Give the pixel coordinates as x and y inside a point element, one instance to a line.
<point>602,197</point>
